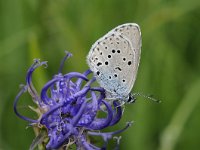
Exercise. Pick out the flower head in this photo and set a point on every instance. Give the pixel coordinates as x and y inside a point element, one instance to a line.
<point>68,109</point>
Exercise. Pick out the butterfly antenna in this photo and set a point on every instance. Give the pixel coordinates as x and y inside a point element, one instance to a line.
<point>150,97</point>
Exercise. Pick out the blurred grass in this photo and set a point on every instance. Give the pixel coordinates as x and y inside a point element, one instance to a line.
<point>169,69</point>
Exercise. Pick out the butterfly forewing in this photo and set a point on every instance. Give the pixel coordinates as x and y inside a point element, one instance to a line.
<point>114,59</point>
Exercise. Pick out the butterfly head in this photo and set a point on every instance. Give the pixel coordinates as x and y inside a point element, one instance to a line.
<point>130,98</point>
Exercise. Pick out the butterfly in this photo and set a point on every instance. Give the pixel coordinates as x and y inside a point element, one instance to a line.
<point>114,60</point>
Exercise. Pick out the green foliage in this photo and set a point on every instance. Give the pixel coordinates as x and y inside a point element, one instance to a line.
<point>169,68</point>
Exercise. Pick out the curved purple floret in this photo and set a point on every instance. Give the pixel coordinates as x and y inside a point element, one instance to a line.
<point>69,109</point>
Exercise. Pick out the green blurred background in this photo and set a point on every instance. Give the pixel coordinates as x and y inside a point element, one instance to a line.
<point>169,68</point>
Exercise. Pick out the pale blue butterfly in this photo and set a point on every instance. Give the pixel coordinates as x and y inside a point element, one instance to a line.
<point>114,60</point>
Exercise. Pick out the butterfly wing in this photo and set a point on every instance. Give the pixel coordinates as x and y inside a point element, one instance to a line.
<point>114,61</point>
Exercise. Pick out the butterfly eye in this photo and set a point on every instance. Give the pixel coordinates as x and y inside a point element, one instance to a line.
<point>131,98</point>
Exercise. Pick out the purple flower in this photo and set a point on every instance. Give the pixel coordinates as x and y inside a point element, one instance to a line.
<point>68,106</point>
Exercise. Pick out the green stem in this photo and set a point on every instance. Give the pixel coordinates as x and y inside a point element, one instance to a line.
<point>172,132</point>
